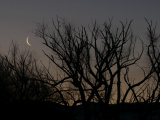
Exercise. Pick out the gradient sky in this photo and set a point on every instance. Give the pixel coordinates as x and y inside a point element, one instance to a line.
<point>18,17</point>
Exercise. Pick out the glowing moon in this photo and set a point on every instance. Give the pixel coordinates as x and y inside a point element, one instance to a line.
<point>28,42</point>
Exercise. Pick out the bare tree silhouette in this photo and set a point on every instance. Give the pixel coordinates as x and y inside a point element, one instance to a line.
<point>153,54</point>
<point>92,59</point>
<point>22,77</point>
<point>94,65</point>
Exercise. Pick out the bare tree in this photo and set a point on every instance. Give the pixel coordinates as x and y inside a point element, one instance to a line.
<point>93,62</point>
<point>24,79</point>
<point>5,95</point>
<point>92,59</point>
<point>153,54</point>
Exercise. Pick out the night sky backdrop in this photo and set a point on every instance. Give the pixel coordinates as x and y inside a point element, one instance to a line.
<point>18,17</point>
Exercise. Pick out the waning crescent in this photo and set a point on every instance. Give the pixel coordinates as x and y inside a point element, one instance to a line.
<point>28,42</point>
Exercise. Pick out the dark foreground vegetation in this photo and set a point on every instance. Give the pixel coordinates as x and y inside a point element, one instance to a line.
<point>126,111</point>
<point>48,110</point>
<point>89,66</point>
<point>36,110</point>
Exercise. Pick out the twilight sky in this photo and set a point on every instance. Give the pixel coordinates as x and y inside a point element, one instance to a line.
<point>18,17</point>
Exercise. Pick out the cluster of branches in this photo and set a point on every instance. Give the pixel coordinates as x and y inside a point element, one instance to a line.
<point>96,62</point>
<point>22,79</point>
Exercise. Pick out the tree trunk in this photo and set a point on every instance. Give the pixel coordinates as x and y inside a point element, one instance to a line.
<point>118,88</point>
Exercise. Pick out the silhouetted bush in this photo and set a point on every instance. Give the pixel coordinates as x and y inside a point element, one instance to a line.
<point>21,79</point>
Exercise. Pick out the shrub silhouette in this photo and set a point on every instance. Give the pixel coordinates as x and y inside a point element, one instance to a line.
<point>20,78</point>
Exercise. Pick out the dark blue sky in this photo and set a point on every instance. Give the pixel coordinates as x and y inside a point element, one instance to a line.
<point>18,17</point>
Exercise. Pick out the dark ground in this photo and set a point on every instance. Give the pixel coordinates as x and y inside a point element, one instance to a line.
<point>49,110</point>
<point>35,110</point>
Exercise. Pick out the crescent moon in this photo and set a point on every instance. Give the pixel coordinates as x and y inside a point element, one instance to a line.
<point>28,42</point>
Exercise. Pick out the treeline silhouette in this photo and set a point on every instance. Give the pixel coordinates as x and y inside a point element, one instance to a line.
<point>20,78</point>
<point>25,90</point>
<point>94,65</point>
